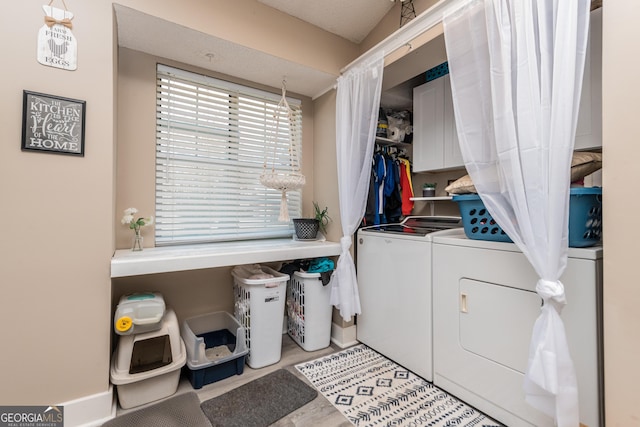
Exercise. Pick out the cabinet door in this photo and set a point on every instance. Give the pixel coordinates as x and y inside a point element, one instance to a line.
<point>452,153</point>
<point>428,126</point>
<point>589,128</point>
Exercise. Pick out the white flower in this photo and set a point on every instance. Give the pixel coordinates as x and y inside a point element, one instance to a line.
<point>130,220</point>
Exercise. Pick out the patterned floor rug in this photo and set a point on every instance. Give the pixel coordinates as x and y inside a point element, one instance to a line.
<point>371,390</point>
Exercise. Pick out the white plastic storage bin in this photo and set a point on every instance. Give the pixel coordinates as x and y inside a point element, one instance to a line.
<point>146,367</point>
<point>259,307</point>
<point>216,347</point>
<point>309,311</point>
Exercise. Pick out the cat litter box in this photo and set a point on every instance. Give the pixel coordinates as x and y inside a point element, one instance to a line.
<point>216,347</point>
<point>146,367</point>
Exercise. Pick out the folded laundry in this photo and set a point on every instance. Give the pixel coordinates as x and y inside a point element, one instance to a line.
<point>324,266</point>
<point>260,276</point>
<point>255,272</point>
<point>320,265</point>
<point>292,267</point>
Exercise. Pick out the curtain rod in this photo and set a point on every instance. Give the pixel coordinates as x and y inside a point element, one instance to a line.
<point>417,32</point>
<point>400,52</point>
<point>411,34</point>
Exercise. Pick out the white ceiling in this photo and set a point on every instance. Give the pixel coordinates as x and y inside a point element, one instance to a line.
<point>350,19</point>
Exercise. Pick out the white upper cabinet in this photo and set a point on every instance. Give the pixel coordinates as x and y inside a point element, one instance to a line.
<point>452,153</point>
<point>435,139</point>
<point>589,128</point>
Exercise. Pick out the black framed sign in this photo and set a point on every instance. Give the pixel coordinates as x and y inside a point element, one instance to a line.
<point>52,124</point>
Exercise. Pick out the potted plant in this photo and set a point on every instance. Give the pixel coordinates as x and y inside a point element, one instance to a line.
<point>322,217</point>
<point>307,228</point>
<point>429,190</point>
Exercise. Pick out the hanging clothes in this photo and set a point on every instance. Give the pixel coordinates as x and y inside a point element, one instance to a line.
<point>392,196</point>
<point>380,168</point>
<point>406,186</point>
<point>371,206</point>
<point>390,189</point>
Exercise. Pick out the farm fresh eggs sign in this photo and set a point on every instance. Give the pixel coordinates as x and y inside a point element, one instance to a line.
<point>57,47</point>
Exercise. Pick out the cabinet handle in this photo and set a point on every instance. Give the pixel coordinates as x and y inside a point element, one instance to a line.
<point>463,303</point>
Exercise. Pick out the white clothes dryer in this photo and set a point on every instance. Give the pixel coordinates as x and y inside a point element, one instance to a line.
<point>485,306</point>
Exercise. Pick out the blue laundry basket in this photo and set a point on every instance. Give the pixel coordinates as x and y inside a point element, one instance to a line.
<point>585,218</point>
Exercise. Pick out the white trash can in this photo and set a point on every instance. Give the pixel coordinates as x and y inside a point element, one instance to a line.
<point>309,311</point>
<point>259,307</point>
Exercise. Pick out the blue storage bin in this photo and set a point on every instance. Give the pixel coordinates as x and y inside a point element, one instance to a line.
<point>211,374</point>
<point>216,348</point>
<point>437,72</point>
<point>585,218</point>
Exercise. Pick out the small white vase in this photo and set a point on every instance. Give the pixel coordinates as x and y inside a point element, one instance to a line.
<point>137,241</point>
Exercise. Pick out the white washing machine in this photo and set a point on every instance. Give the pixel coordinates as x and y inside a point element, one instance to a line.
<point>485,306</point>
<point>394,282</point>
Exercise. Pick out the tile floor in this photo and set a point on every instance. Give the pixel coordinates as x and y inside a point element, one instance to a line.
<point>318,413</point>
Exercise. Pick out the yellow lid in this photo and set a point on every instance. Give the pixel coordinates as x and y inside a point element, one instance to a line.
<point>124,323</point>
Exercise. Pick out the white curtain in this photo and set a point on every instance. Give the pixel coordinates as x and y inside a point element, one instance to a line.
<point>357,104</point>
<point>516,74</point>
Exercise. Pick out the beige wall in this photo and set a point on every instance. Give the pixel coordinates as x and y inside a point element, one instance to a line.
<point>621,107</point>
<point>325,170</point>
<point>58,218</point>
<point>391,22</point>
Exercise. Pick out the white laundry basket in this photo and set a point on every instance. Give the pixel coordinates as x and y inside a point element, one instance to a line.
<point>309,311</point>
<point>259,307</point>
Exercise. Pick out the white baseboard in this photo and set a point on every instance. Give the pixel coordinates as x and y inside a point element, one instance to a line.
<point>343,337</point>
<point>90,411</point>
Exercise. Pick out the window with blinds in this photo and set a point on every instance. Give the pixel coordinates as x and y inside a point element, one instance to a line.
<point>212,139</point>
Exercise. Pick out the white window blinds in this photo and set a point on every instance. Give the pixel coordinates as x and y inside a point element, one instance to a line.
<point>212,139</point>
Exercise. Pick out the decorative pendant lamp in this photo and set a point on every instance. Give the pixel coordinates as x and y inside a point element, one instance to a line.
<point>283,180</point>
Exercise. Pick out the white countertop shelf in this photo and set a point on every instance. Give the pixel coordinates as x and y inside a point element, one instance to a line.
<point>210,255</point>
<point>431,199</point>
<point>386,141</point>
